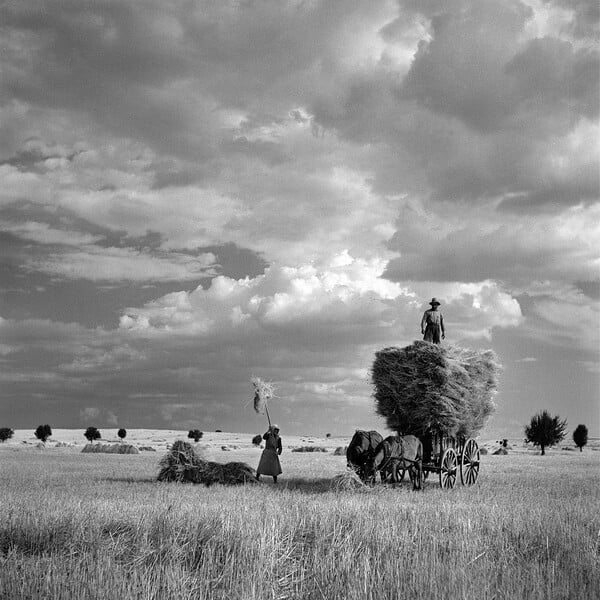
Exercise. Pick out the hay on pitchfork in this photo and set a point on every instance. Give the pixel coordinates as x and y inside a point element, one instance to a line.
<point>263,392</point>
<point>182,463</point>
<point>426,387</point>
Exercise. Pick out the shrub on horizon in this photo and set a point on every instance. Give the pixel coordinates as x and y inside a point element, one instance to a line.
<point>6,433</point>
<point>545,431</point>
<point>43,432</point>
<point>257,440</point>
<point>122,433</point>
<point>91,434</point>
<point>195,434</point>
<point>580,436</point>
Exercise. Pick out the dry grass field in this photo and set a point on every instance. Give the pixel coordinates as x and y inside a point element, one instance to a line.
<point>90,526</point>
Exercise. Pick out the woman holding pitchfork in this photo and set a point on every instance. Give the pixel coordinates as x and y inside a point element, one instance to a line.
<point>269,460</point>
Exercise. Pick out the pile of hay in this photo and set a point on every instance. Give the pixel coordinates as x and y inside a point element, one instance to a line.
<point>348,480</point>
<point>181,463</point>
<point>309,449</point>
<point>111,448</point>
<point>428,387</point>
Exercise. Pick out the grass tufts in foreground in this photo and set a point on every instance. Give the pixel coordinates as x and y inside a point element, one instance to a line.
<point>88,526</point>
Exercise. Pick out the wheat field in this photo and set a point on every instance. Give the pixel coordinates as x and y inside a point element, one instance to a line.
<point>90,526</point>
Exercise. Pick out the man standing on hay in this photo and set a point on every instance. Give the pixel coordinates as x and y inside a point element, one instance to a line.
<point>269,460</point>
<point>432,324</point>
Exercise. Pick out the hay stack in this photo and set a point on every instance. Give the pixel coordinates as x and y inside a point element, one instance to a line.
<point>428,387</point>
<point>181,463</point>
<point>347,481</point>
<point>111,448</point>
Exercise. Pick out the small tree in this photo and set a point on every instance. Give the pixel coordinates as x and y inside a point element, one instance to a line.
<point>195,434</point>
<point>545,431</point>
<point>122,433</point>
<point>91,434</point>
<point>43,432</point>
<point>580,436</point>
<point>257,439</point>
<point>6,433</point>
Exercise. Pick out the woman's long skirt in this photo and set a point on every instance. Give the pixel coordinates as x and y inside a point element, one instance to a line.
<point>269,463</point>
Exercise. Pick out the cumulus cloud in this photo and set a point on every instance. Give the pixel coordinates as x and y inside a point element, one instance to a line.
<point>347,294</point>
<point>313,330</point>
<point>445,148</point>
<point>347,300</point>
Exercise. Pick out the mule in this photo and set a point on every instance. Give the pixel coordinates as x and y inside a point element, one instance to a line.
<point>361,448</point>
<point>397,452</point>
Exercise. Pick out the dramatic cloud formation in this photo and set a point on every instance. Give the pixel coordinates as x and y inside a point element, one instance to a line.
<point>192,194</point>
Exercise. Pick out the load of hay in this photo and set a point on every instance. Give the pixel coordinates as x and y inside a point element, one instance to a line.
<point>111,448</point>
<point>182,463</point>
<point>427,387</point>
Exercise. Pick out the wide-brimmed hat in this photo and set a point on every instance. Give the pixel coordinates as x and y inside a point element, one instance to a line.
<point>434,301</point>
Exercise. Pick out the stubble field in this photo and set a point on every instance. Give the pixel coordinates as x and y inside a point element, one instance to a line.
<point>100,526</point>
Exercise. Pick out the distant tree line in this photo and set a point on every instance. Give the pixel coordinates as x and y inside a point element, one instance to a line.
<point>546,431</point>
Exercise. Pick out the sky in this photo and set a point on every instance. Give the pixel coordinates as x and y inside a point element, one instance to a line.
<point>193,193</point>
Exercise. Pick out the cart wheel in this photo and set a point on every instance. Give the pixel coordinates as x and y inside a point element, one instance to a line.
<point>469,463</point>
<point>448,468</point>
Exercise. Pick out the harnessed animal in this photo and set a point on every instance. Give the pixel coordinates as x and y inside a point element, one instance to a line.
<point>361,449</point>
<point>397,452</point>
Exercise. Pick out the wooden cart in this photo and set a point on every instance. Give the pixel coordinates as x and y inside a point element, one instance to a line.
<point>451,458</point>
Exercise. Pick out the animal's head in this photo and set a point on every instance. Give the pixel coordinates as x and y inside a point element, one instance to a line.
<point>370,470</point>
<point>359,444</point>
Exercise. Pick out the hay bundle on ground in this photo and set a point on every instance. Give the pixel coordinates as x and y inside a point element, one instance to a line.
<point>111,448</point>
<point>181,463</point>
<point>428,387</point>
<point>348,480</point>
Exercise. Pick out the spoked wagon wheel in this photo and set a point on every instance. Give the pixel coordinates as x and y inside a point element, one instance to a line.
<point>469,463</point>
<point>448,468</point>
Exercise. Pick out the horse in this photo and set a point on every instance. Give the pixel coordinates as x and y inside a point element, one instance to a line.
<point>361,449</point>
<point>397,452</point>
